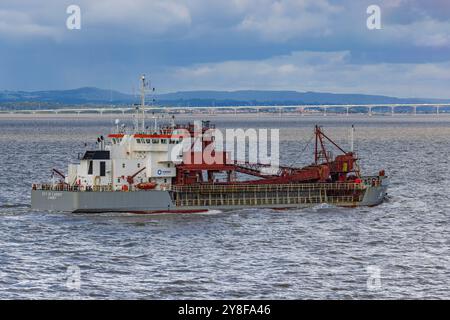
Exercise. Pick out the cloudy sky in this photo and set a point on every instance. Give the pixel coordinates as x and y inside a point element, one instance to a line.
<point>304,45</point>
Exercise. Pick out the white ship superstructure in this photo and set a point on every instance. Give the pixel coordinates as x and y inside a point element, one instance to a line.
<point>144,158</point>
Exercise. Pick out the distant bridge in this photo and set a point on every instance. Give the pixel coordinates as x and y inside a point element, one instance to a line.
<point>342,109</point>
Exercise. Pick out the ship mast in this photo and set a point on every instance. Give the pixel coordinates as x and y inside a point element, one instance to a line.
<point>352,138</point>
<point>140,108</point>
<point>144,86</point>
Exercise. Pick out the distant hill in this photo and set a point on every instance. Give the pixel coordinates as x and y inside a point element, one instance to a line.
<point>90,95</point>
<point>252,97</point>
<point>75,96</point>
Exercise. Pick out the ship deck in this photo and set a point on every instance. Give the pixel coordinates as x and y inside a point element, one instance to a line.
<point>214,195</point>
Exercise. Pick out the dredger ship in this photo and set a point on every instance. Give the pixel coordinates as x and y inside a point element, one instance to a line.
<point>146,171</point>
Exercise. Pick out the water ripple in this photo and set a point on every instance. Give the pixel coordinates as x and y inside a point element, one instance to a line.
<point>318,252</point>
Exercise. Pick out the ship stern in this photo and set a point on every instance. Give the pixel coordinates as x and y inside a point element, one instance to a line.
<point>49,200</point>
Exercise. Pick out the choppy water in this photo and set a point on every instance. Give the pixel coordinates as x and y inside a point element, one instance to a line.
<point>320,252</point>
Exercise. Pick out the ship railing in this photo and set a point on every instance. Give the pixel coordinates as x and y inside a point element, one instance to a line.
<point>373,181</point>
<point>219,188</point>
<point>66,187</point>
<point>267,201</point>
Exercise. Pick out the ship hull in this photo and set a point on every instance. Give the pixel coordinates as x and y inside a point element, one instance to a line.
<point>156,201</point>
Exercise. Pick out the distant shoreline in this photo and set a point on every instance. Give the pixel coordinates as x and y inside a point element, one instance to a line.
<point>250,116</point>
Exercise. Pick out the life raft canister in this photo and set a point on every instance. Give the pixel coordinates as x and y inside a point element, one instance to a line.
<point>146,185</point>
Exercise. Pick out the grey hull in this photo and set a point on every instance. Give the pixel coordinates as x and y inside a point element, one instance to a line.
<point>73,201</point>
<point>155,201</point>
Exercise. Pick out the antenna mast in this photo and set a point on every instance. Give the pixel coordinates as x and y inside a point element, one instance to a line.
<point>352,137</point>
<point>144,86</point>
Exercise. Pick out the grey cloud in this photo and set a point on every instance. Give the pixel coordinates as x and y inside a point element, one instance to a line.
<point>300,71</point>
<point>227,43</point>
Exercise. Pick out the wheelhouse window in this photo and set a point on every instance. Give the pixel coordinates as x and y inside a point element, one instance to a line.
<point>102,168</point>
<point>90,168</point>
